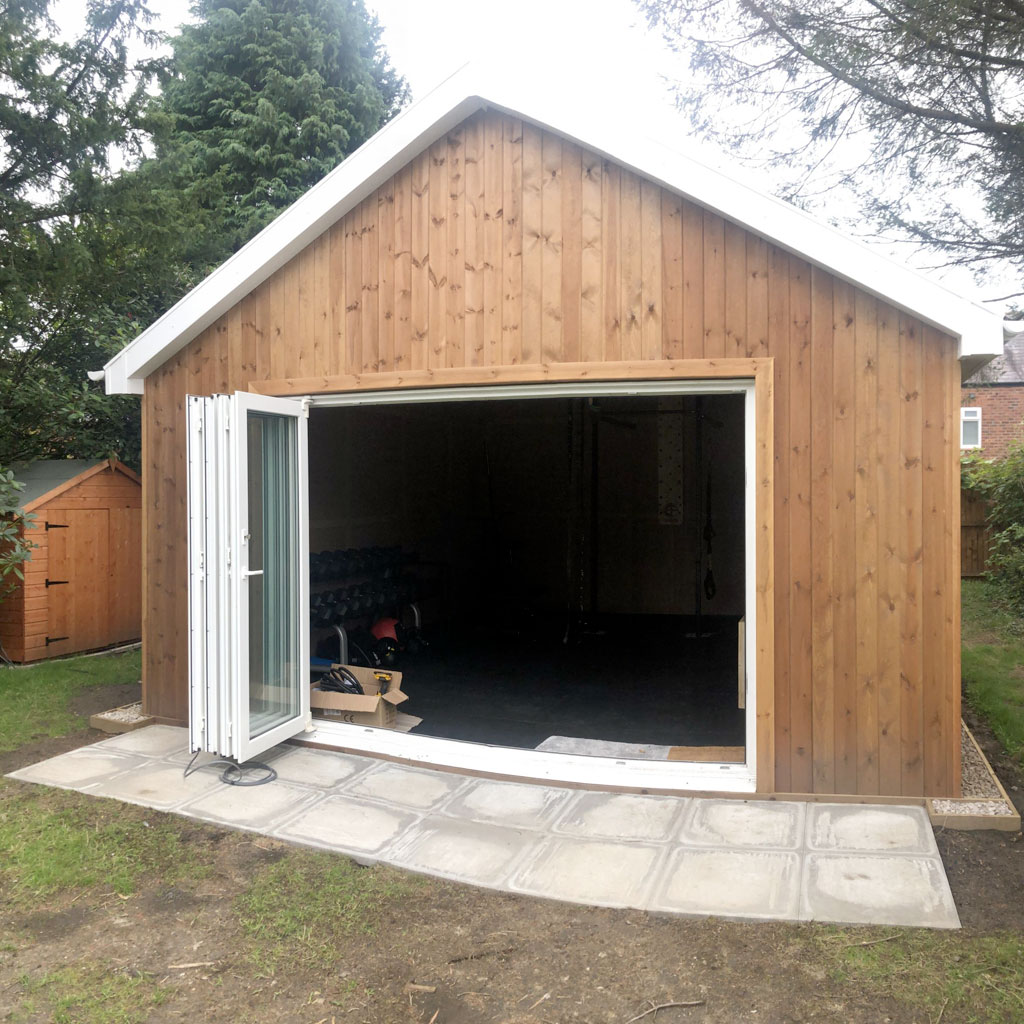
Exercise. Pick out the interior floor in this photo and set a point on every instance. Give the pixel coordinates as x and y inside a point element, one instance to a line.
<point>637,681</point>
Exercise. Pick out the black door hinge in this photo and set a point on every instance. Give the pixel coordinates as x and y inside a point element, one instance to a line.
<point>57,583</point>
<point>55,639</point>
<point>58,526</point>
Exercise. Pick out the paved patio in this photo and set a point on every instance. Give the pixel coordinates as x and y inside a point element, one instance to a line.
<point>728,858</point>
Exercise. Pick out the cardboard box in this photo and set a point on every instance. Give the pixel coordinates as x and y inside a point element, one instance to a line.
<point>382,693</point>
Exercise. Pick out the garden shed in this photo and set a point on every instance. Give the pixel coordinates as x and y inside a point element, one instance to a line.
<point>668,468</point>
<point>83,581</point>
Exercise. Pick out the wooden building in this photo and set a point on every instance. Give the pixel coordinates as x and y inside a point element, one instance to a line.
<point>484,246</point>
<point>83,581</point>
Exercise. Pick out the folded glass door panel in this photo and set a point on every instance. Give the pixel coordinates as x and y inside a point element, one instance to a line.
<point>248,581</point>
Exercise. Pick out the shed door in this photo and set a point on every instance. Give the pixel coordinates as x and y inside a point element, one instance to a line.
<point>77,591</point>
<point>248,573</point>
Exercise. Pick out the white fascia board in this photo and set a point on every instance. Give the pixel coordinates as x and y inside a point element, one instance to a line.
<point>978,329</point>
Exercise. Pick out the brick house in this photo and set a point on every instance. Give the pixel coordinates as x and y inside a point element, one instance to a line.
<point>992,400</point>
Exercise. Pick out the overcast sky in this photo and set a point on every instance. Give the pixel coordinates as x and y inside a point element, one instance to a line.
<point>597,51</point>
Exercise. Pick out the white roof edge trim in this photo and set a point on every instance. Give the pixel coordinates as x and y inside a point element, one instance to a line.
<point>979,330</point>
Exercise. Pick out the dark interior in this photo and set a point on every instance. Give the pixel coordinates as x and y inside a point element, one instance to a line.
<point>578,563</point>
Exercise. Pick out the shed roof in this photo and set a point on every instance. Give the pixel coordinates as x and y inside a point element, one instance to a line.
<point>47,478</point>
<point>474,88</point>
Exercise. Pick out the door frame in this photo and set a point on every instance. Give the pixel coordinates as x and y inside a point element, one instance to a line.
<point>752,377</point>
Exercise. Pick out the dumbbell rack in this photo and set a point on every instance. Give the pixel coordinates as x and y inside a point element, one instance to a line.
<point>361,584</point>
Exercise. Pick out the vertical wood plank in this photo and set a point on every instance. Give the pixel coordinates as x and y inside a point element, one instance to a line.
<point>403,268</point>
<point>672,275</point>
<point>714,285</point>
<point>591,331</point>
<point>437,259</point>
<point>281,316</point>
<point>353,263</point>
<point>844,470</point>
<point>475,248</point>
<point>533,244</point>
<point>321,305</point>
<point>369,320</point>
<point>890,590</point>
<point>420,262</point>
<point>910,541</point>
<point>800,524</point>
<point>866,344</point>
<point>822,546</point>
<point>339,327</point>
<point>572,251</point>
<point>302,325</point>
<point>386,275</point>
<point>632,267</point>
<point>757,296</point>
<point>456,261</point>
<point>551,248</point>
<point>693,282</point>
<point>494,228</point>
<point>611,283</point>
<point>651,302</point>
<point>735,290</point>
<point>778,341</point>
<point>512,240</point>
<point>933,569</point>
<point>952,681</point>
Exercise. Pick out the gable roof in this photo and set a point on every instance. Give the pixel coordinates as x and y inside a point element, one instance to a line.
<point>1009,367</point>
<point>47,478</point>
<point>469,90</point>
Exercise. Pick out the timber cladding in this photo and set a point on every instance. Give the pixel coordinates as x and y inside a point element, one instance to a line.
<point>505,252</point>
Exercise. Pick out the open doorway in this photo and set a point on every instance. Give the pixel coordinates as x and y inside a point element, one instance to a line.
<point>578,566</point>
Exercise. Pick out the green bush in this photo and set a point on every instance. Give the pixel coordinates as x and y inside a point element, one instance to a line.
<point>1001,484</point>
<point>14,547</point>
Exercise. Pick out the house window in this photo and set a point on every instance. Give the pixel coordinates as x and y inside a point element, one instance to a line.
<point>970,427</point>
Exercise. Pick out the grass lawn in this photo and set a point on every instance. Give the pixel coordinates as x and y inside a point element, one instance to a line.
<point>37,700</point>
<point>993,664</point>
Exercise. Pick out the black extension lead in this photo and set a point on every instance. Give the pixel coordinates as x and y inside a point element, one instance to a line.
<point>235,774</point>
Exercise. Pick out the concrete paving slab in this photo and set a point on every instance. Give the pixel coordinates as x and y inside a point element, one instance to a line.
<point>742,823</point>
<point>874,889</point>
<point>758,884</point>
<point>151,741</point>
<point>407,787</point>
<point>621,816</point>
<point>512,804</point>
<point>249,807</point>
<point>604,874</point>
<point>79,768</point>
<point>350,826</point>
<point>465,851</point>
<point>157,785</point>
<point>885,829</point>
<point>322,768</point>
<point>734,858</point>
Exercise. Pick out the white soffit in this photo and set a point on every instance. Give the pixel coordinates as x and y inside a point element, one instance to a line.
<point>978,329</point>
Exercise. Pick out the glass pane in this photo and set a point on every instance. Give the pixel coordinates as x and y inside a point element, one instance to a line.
<point>274,671</point>
<point>970,434</point>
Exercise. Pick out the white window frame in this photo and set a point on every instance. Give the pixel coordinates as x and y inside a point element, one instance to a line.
<point>514,762</point>
<point>964,418</point>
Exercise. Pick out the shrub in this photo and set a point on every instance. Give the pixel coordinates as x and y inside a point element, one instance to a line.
<point>14,547</point>
<point>1001,484</point>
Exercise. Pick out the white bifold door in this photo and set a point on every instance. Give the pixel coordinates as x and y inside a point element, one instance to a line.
<point>248,582</point>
